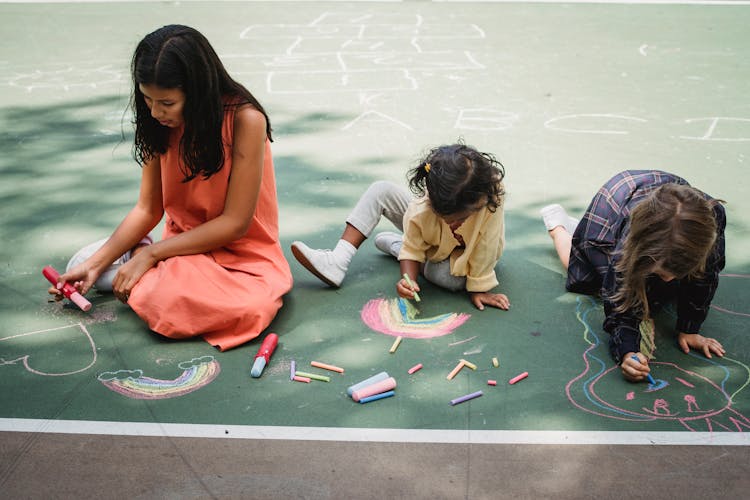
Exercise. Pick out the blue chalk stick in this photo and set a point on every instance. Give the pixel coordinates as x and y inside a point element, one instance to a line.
<point>648,376</point>
<point>375,397</point>
<point>372,380</point>
<point>258,365</point>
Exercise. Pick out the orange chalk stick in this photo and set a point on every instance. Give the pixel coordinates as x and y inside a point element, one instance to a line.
<point>455,370</point>
<point>324,366</point>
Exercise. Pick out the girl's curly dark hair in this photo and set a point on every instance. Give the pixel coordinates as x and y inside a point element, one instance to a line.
<point>457,178</point>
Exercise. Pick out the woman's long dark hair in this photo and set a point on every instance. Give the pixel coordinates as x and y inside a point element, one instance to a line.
<point>179,57</point>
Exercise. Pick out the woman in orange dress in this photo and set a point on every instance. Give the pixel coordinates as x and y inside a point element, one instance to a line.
<point>203,142</point>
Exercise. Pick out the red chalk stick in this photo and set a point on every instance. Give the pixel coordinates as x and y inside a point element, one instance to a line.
<point>67,289</point>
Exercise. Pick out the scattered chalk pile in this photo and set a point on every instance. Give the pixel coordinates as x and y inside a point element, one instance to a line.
<point>378,386</point>
<point>307,377</point>
<point>382,385</point>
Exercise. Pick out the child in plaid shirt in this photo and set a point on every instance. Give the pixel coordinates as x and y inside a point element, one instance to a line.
<point>647,237</point>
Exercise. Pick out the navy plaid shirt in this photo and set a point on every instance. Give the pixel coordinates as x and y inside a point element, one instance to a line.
<point>597,242</point>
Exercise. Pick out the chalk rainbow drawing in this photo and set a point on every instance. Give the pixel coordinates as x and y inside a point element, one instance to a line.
<point>397,317</point>
<point>197,373</point>
<point>693,400</point>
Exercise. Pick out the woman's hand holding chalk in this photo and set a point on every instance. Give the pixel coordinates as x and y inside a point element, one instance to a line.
<point>66,288</point>
<point>411,285</point>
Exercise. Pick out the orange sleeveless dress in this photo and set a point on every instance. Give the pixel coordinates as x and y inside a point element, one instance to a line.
<point>228,295</point>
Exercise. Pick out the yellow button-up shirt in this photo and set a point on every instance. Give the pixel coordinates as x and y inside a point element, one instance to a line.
<point>428,238</point>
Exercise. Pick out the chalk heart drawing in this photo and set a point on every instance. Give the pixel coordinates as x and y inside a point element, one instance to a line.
<point>53,352</point>
<point>398,318</point>
<point>197,373</point>
<point>691,400</point>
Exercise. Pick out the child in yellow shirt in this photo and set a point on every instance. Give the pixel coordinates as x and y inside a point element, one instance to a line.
<point>453,230</point>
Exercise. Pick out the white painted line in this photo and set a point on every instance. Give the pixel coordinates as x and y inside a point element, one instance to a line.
<point>373,435</point>
<point>624,2</point>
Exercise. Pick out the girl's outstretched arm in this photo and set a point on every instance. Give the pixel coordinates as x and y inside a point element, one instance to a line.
<point>141,219</point>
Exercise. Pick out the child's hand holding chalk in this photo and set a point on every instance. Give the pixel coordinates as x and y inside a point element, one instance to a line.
<point>634,368</point>
<point>407,288</point>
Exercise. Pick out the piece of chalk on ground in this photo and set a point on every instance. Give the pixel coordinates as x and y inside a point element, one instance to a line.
<point>297,378</point>
<point>292,369</point>
<point>492,382</point>
<point>375,397</point>
<point>376,388</point>
<point>395,345</point>
<point>455,370</point>
<point>368,381</point>
<point>411,285</point>
<point>258,365</point>
<point>313,376</point>
<point>495,362</point>
<point>469,365</point>
<point>466,398</point>
<point>415,368</point>
<point>318,364</point>
<point>518,377</point>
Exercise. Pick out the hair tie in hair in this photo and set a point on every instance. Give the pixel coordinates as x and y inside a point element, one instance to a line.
<point>427,167</point>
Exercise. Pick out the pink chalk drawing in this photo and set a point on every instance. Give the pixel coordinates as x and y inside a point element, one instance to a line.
<point>689,399</point>
<point>197,373</point>
<point>397,317</point>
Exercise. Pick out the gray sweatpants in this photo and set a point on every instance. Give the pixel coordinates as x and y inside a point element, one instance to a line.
<point>387,199</point>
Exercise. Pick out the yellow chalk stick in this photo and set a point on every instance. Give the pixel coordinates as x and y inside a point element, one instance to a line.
<point>395,345</point>
<point>470,365</point>
<point>313,376</point>
<point>495,362</point>
<point>411,285</point>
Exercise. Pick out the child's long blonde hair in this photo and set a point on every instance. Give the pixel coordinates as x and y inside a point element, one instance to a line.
<point>672,231</point>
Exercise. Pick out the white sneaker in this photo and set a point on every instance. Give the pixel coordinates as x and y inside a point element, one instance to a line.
<point>555,215</point>
<point>104,282</point>
<point>319,262</point>
<point>389,243</point>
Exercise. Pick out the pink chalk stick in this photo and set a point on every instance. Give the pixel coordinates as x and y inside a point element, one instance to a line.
<point>297,378</point>
<point>376,388</point>
<point>66,288</point>
<point>518,377</point>
<point>415,368</point>
<point>492,382</point>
